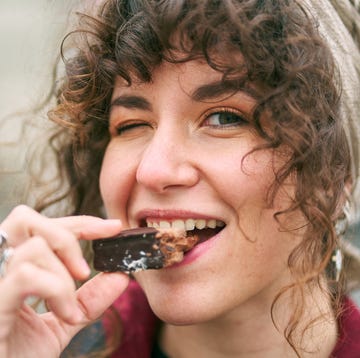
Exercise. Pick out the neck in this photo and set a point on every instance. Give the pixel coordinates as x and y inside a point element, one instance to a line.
<point>249,331</point>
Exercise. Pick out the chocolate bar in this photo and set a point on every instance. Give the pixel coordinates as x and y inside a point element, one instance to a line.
<point>141,249</point>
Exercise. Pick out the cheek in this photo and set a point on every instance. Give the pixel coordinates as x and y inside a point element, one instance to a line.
<point>116,178</point>
<point>244,185</point>
<point>243,179</point>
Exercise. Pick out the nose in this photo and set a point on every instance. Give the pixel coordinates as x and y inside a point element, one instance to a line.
<point>166,163</point>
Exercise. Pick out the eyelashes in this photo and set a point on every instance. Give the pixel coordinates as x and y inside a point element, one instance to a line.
<point>122,128</point>
<point>224,118</point>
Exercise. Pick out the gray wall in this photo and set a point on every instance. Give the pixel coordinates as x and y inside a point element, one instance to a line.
<point>30,35</point>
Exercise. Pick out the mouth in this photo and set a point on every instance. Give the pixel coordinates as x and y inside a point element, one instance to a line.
<point>204,229</point>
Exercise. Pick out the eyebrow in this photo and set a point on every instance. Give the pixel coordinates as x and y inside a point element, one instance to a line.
<point>218,89</point>
<point>131,101</point>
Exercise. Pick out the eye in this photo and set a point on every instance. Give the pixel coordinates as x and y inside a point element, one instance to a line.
<point>127,127</point>
<point>226,117</point>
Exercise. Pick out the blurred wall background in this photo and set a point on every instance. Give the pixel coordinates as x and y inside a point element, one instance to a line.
<point>30,35</point>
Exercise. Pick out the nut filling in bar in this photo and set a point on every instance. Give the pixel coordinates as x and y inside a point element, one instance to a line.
<point>141,249</point>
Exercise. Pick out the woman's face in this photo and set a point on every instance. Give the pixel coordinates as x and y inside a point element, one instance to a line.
<point>175,158</point>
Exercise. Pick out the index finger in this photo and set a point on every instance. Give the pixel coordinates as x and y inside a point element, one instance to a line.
<point>60,234</point>
<point>87,227</point>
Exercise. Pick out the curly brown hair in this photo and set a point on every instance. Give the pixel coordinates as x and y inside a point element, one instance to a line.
<point>283,54</point>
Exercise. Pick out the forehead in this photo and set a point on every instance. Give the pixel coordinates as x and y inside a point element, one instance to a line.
<point>196,78</point>
<point>187,73</point>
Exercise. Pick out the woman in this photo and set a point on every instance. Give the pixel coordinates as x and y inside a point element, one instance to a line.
<point>229,119</point>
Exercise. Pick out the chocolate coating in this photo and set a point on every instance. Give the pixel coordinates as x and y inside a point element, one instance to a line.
<point>131,250</point>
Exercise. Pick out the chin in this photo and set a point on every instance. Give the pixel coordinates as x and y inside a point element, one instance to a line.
<point>179,315</point>
<point>178,308</point>
<point>183,299</point>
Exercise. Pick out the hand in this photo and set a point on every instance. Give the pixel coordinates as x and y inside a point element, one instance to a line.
<point>47,258</point>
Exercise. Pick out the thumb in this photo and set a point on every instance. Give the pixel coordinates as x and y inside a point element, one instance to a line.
<point>96,295</point>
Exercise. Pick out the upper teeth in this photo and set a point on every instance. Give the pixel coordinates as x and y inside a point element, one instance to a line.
<point>188,224</point>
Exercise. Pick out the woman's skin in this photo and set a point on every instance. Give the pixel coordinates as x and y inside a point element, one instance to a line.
<point>175,155</point>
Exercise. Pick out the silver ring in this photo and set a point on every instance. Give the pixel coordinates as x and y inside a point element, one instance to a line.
<point>4,259</point>
<point>3,239</point>
<point>6,252</point>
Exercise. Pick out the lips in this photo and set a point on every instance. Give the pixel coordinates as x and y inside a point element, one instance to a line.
<point>203,228</point>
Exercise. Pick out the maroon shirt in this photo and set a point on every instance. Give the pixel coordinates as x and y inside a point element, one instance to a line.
<point>139,326</point>
<point>348,345</point>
